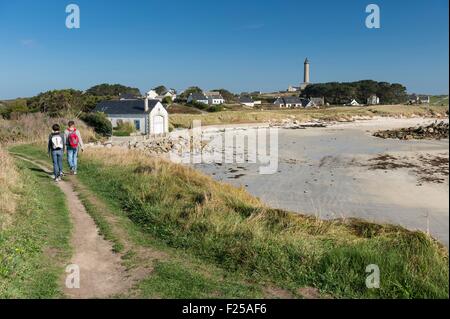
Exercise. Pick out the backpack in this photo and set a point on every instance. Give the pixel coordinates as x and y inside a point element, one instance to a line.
<point>73,139</point>
<point>57,142</point>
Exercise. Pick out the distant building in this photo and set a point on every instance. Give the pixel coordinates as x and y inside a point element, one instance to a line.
<point>214,98</point>
<point>418,99</point>
<point>198,97</point>
<point>424,99</point>
<point>151,95</point>
<point>317,101</point>
<point>147,116</point>
<point>352,102</point>
<point>247,101</point>
<point>293,88</point>
<point>373,100</point>
<point>289,101</point>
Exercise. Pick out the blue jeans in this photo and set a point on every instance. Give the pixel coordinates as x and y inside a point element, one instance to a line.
<point>57,157</point>
<point>72,158</point>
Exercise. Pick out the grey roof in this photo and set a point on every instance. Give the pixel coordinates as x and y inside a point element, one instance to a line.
<point>198,96</point>
<point>214,95</point>
<point>245,99</point>
<point>292,100</point>
<point>124,106</point>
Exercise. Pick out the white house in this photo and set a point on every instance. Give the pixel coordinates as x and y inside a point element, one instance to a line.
<point>169,93</point>
<point>151,95</point>
<point>373,100</point>
<point>246,100</point>
<point>214,98</point>
<point>289,101</point>
<point>352,102</point>
<point>148,116</point>
<point>198,97</point>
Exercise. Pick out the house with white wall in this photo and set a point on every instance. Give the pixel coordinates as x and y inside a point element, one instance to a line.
<point>198,97</point>
<point>214,98</point>
<point>148,116</point>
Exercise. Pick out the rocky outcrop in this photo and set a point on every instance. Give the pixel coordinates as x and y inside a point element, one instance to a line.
<point>436,130</point>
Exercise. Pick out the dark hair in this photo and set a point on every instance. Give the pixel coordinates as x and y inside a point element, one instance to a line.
<point>71,123</point>
<point>55,127</point>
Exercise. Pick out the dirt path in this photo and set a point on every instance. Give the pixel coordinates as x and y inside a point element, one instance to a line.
<point>102,274</point>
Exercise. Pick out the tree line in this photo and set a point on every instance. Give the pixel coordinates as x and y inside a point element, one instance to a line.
<point>60,102</point>
<point>341,92</point>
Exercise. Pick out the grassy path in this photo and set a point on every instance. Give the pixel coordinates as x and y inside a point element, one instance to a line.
<point>151,269</point>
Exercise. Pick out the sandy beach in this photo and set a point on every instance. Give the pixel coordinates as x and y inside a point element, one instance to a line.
<point>342,171</point>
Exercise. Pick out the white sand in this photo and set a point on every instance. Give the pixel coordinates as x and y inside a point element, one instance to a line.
<point>321,171</point>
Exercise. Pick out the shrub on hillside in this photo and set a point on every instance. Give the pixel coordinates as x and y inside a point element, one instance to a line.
<point>215,108</point>
<point>35,127</point>
<point>99,122</point>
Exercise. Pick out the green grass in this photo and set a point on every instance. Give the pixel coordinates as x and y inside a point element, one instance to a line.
<point>34,249</point>
<point>226,227</point>
<point>439,100</point>
<point>174,280</point>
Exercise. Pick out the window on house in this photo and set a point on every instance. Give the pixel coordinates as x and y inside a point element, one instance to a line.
<point>137,124</point>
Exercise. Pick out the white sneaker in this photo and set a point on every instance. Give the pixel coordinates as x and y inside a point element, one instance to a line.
<point>74,172</point>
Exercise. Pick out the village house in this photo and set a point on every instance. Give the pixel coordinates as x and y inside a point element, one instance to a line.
<point>148,116</point>
<point>214,98</point>
<point>373,100</point>
<point>198,97</point>
<point>316,102</point>
<point>352,102</point>
<point>418,99</point>
<point>289,101</point>
<point>247,101</point>
<point>210,98</point>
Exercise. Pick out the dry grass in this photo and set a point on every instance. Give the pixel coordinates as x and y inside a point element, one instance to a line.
<point>35,127</point>
<point>303,115</point>
<point>9,185</point>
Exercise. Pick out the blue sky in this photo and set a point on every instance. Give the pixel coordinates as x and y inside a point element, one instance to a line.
<point>238,45</point>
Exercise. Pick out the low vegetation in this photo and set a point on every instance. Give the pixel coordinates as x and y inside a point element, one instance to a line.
<point>36,127</point>
<point>34,242</point>
<point>228,227</point>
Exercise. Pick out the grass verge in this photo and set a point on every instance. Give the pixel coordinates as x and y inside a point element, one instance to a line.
<point>35,246</point>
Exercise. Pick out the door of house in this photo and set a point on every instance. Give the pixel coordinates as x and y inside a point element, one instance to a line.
<point>158,124</point>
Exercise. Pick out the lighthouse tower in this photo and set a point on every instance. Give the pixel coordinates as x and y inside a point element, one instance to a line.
<point>306,72</point>
<point>305,75</point>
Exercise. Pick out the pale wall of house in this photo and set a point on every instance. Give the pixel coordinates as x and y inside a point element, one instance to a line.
<point>142,119</point>
<point>159,110</point>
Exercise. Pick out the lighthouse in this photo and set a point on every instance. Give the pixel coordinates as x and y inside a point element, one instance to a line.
<point>306,72</point>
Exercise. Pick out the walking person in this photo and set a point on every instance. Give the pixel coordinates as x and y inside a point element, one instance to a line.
<point>74,143</point>
<point>56,145</point>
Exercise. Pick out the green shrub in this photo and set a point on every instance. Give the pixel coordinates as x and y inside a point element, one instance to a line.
<point>99,122</point>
